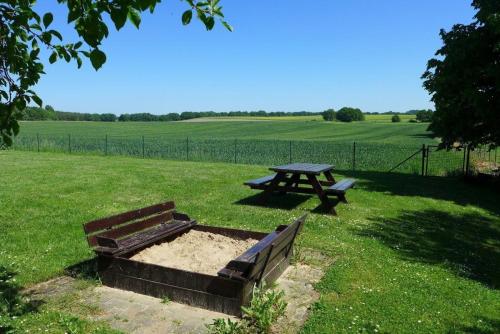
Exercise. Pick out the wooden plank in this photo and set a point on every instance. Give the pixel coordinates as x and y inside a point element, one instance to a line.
<point>153,235</point>
<point>176,277</point>
<point>303,168</point>
<point>252,261</point>
<point>129,229</point>
<point>106,242</point>
<point>104,223</point>
<point>299,190</point>
<point>260,180</point>
<point>178,294</point>
<point>283,242</point>
<point>342,186</point>
<point>146,238</point>
<point>231,232</point>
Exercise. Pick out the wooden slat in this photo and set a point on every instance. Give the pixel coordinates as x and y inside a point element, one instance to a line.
<point>275,254</point>
<point>104,223</point>
<point>260,180</point>
<point>207,291</point>
<point>299,190</point>
<point>231,232</point>
<point>303,168</point>
<point>342,186</point>
<point>106,242</point>
<point>153,235</point>
<point>122,231</point>
<point>253,260</point>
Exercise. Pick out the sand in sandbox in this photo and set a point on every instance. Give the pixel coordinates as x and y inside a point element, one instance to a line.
<point>198,251</point>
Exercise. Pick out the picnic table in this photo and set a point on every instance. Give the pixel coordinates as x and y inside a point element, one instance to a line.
<point>289,178</point>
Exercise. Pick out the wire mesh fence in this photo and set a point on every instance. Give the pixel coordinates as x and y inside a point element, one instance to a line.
<point>360,156</point>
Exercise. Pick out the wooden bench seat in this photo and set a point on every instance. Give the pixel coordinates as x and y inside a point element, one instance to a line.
<point>135,229</point>
<point>260,181</point>
<point>261,259</point>
<point>341,187</point>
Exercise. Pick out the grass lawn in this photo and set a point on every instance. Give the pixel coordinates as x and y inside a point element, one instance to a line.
<point>413,255</point>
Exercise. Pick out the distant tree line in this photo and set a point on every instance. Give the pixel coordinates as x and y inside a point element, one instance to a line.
<point>345,114</point>
<point>48,113</point>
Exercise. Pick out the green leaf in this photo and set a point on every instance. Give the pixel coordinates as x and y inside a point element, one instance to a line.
<point>73,15</point>
<point>37,100</point>
<point>97,58</point>
<point>56,33</point>
<point>187,16</point>
<point>47,19</point>
<point>227,25</point>
<point>53,57</point>
<point>119,17</point>
<point>135,17</point>
<point>209,23</point>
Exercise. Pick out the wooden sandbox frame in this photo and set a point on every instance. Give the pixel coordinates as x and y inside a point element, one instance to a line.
<point>117,238</point>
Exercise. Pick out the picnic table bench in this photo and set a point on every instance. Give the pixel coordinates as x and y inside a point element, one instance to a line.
<point>288,178</point>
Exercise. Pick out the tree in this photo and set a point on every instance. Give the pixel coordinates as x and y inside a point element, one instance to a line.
<point>328,115</point>
<point>348,114</point>
<point>424,115</point>
<point>23,31</point>
<point>464,80</point>
<point>107,117</point>
<point>395,119</point>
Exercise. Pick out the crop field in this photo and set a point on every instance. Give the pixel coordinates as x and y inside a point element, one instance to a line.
<point>397,133</point>
<point>411,254</point>
<point>368,146</point>
<point>369,118</point>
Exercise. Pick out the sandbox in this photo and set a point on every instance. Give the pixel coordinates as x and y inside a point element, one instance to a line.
<point>159,252</point>
<point>198,251</point>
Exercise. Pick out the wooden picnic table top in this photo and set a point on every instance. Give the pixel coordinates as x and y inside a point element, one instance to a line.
<point>302,168</point>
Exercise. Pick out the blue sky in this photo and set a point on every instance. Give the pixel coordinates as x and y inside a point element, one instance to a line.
<point>283,55</point>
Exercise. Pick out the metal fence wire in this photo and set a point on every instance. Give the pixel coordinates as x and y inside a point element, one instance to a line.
<point>359,156</point>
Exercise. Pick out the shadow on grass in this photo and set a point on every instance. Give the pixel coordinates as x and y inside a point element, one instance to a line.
<point>276,201</point>
<point>84,270</point>
<point>468,244</point>
<point>423,135</point>
<point>12,301</point>
<point>482,326</point>
<point>435,187</point>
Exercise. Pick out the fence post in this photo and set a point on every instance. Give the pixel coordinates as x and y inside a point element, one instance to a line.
<point>463,161</point>
<point>235,150</point>
<point>38,142</point>
<point>106,145</point>
<point>69,143</point>
<point>290,151</point>
<point>353,156</point>
<point>187,148</point>
<point>143,153</point>
<point>423,158</point>
<point>467,162</point>
<point>427,161</point>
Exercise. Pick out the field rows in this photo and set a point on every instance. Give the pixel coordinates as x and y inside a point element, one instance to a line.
<point>361,156</point>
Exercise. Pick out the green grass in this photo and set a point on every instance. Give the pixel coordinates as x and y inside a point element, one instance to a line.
<point>412,254</point>
<point>374,132</point>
